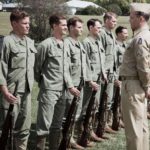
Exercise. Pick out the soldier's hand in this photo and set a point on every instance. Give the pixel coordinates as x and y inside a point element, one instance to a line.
<point>117,83</point>
<point>94,85</point>
<point>10,98</point>
<point>74,91</point>
<point>147,93</point>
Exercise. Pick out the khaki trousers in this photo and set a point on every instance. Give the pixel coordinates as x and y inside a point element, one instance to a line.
<point>134,108</point>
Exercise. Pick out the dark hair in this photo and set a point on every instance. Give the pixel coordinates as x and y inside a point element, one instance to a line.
<point>119,29</point>
<point>146,16</point>
<point>109,15</point>
<point>17,15</point>
<point>91,22</point>
<point>55,19</point>
<point>72,21</point>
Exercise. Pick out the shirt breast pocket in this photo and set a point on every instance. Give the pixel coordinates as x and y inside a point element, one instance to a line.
<point>54,59</point>
<point>32,56</point>
<point>18,58</point>
<point>109,49</point>
<point>94,54</point>
<point>75,56</point>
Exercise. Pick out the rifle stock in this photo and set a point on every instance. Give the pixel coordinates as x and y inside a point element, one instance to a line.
<point>115,109</point>
<point>85,133</point>
<point>70,120</point>
<point>7,126</point>
<point>102,109</point>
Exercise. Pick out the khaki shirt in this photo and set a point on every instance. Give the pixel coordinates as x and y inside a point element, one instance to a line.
<point>17,62</point>
<point>96,55</point>
<point>49,66</point>
<point>136,61</point>
<point>110,47</point>
<point>77,62</point>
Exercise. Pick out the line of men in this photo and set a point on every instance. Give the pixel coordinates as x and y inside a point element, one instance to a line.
<point>57,65</point>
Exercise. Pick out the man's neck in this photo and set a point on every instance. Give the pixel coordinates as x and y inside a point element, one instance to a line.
<point>58,37</point>
<point>73,36</point>
<point>92,35</point>
<point>19,35</point>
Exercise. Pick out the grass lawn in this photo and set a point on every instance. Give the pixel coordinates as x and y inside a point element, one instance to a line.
<point>116,142</point>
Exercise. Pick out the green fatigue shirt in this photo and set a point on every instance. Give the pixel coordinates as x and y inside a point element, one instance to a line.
<point>136,60</point>
<point>110,47</point>
<point>77,62</point>
<point>120,52</point>
<point>49,66</point>
<point>17,62</point>
<point>96,55</point>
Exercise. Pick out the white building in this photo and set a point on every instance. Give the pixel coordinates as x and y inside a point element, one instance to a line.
<point>74,5</point>
<point>10,6</point>
<point>1,6</point>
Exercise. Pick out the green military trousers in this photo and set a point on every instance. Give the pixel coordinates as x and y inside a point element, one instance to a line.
<point>134,108</point>
<point>50,115</point>
<point>22,119</point>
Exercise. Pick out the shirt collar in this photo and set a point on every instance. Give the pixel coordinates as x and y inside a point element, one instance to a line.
<point>145,27</point>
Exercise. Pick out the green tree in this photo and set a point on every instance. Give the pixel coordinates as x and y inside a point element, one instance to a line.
<point>40,10</point>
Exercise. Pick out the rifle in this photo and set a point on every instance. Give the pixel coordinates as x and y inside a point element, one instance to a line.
<point>68,124</point>
<point>8,126</point>
<point>102,109</point>
<point>86,121</point>
<point>115,109</point>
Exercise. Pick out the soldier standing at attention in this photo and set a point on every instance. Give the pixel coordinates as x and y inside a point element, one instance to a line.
<point>96,55</point>
<point>121,37</point>
<point>16,65</point>
<point>49,73</point>
<point>1,42</point>
<point>135,76</point>
<point>76,56</point>
<point>109,43</point>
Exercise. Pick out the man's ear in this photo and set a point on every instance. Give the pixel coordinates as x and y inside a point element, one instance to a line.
<point>90,27</point>
<point>71,27</point>
<point>13,23</point>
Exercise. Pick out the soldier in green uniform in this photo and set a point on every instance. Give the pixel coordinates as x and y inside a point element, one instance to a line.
<point>109,43</point>
<point>78,65</point>
<point>96,56</point>
<point>49,73</point>
<point>16,65</point>
<point>135,76</point>
<point>121,39</point>
<point>1,42</point>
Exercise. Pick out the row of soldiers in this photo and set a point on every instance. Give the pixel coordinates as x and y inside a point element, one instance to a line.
<point>58,65</point>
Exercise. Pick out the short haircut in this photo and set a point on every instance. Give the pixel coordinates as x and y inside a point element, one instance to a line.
<point>17,15</point>
<point>55,19</point>
<point>109,15</point>
<point>72,21</point>
<point>119,29</point>
<point>91,22</point>
<point>139,13</point>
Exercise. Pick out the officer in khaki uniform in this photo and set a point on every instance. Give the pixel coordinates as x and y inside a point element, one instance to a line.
<point>49,73</point>
<point>77,64</point>
<point>109,43</point>
<point>16,65</point>
<point>135,76</point>
<point>96,55</point>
